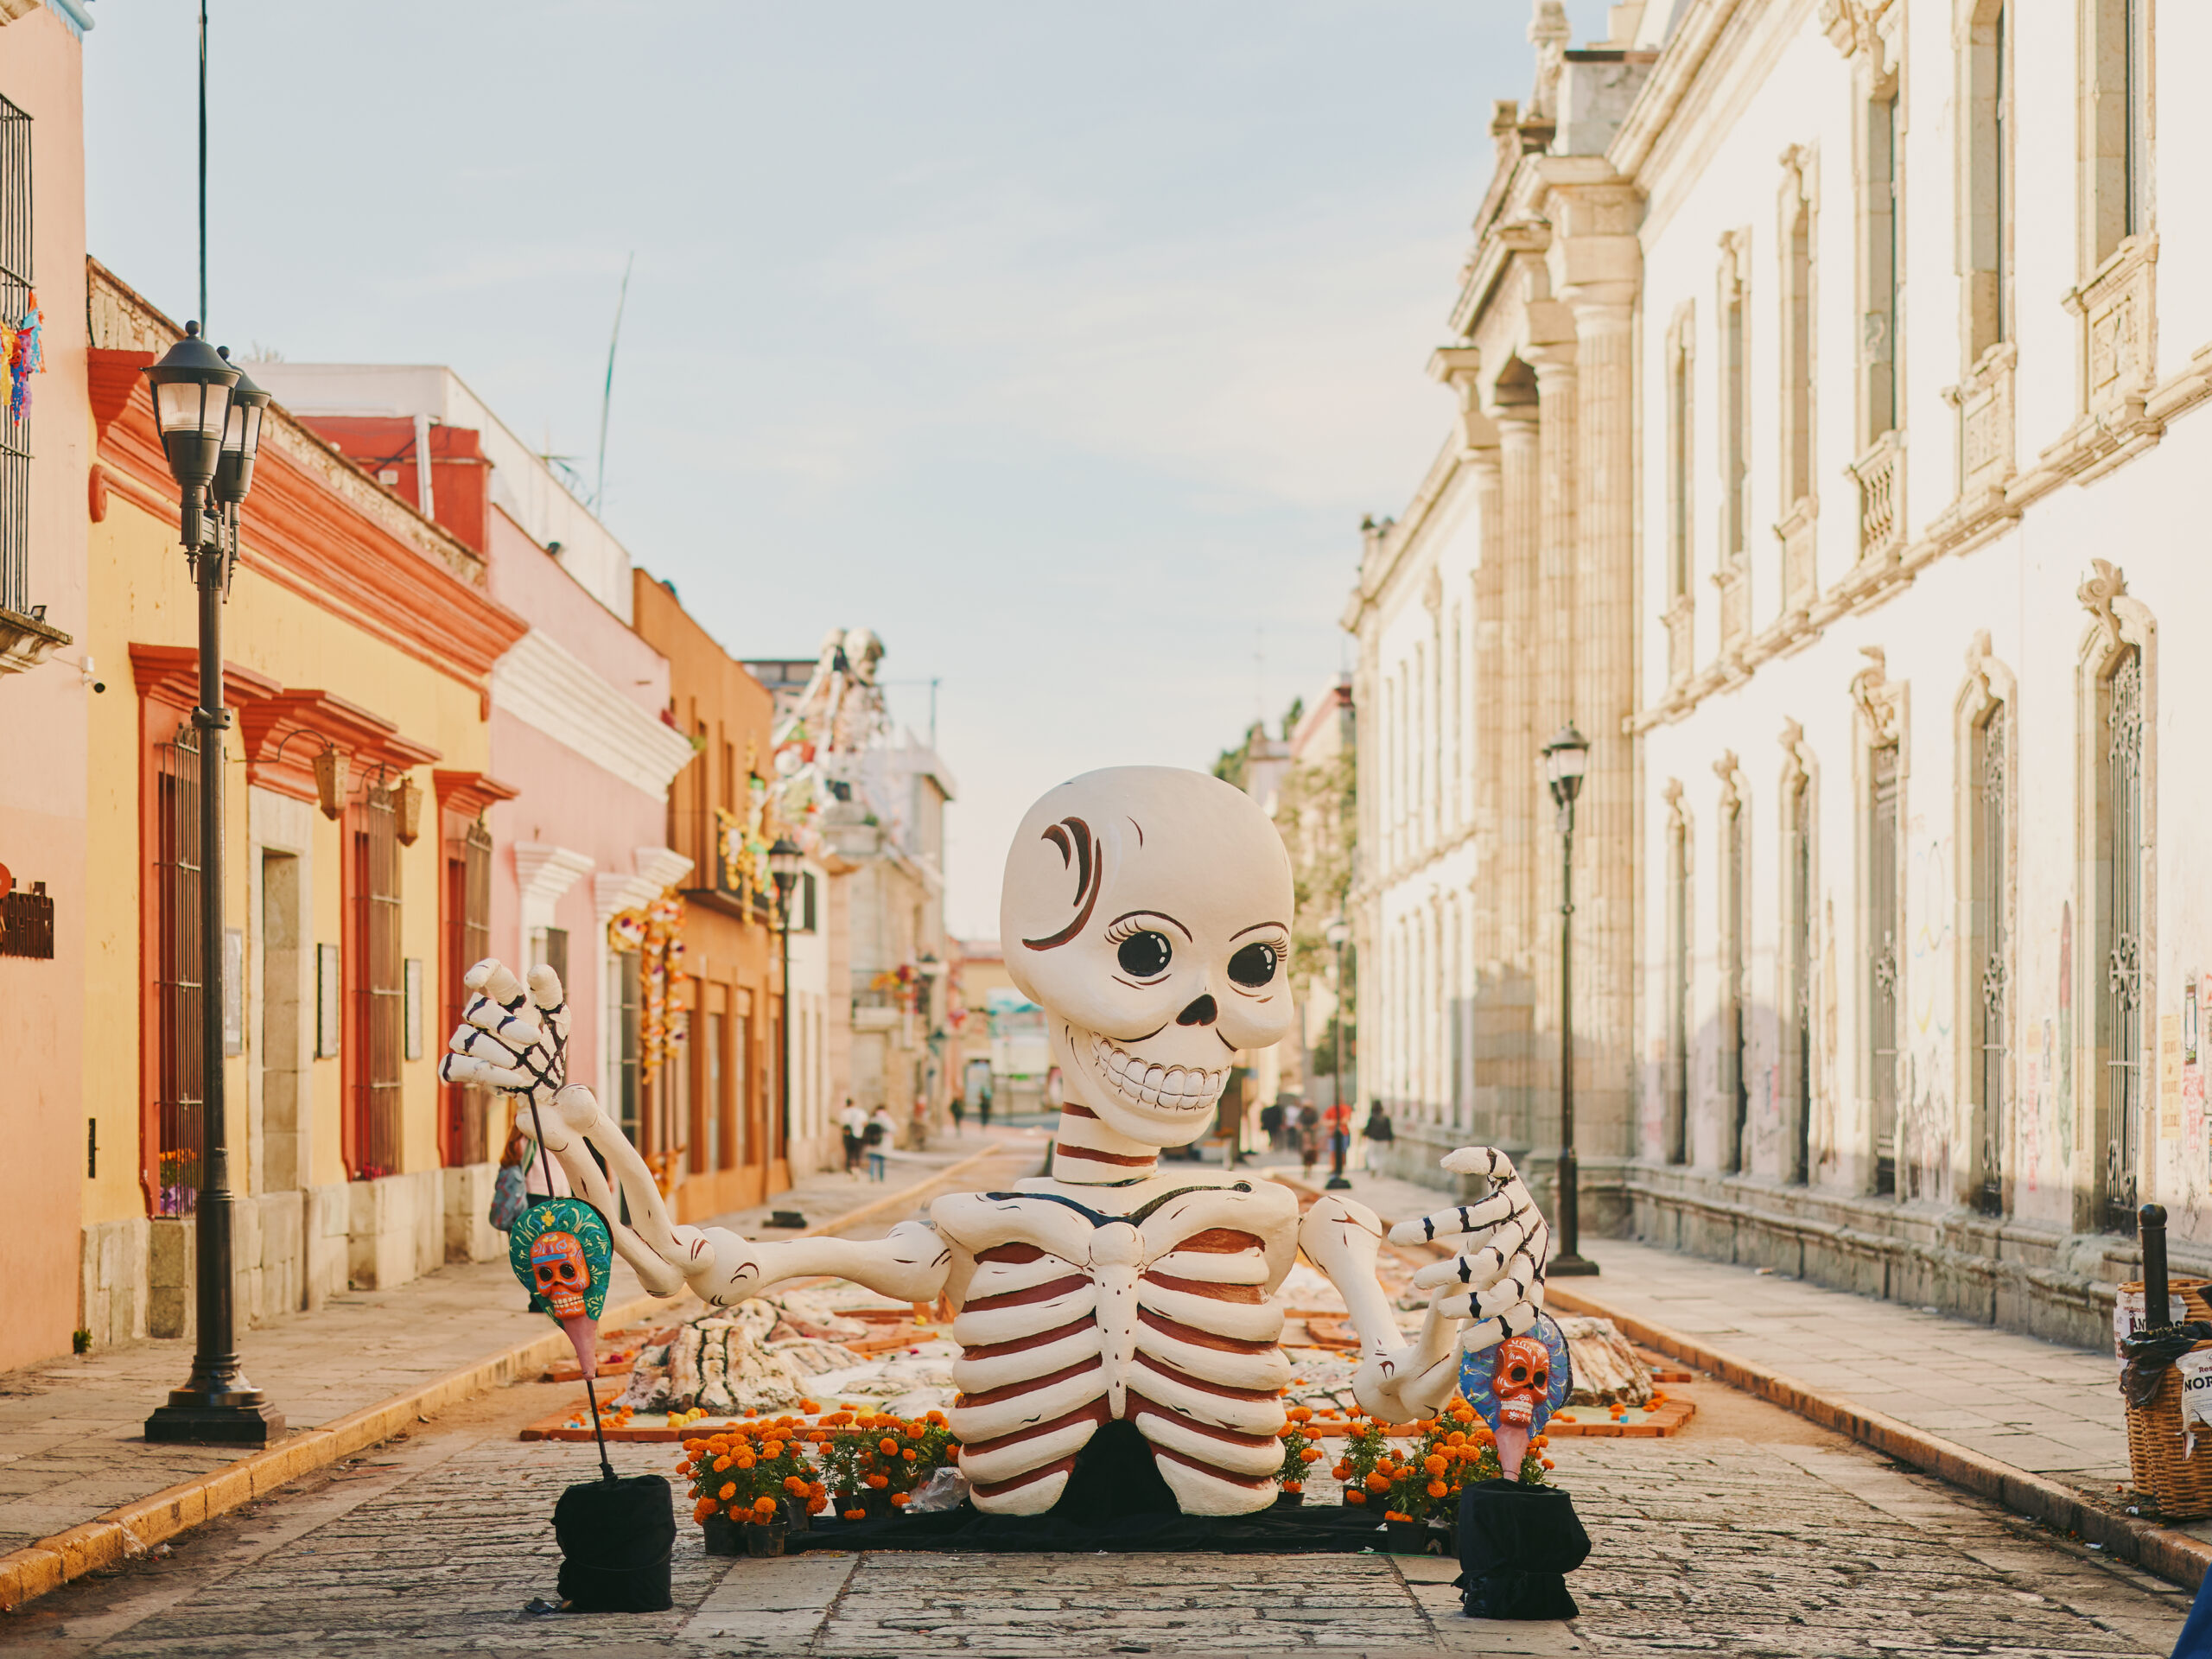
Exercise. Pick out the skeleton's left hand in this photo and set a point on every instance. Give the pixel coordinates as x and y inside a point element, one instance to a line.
<point>1496,1274</point>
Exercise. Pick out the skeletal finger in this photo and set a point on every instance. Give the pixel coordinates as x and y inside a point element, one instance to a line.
<point>546,993</point>
<point>1479,1160</point>
<point>512,1022</point>
<point>1455,1221</point>
<point>462,1068</point>
<point>1484,1265</point>
<point>479,1045</point>
<point>1500,1300</point>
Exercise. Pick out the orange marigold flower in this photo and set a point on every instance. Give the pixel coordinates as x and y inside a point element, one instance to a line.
<point>1378,1482</point>
<point>1311,1454</point>
<point>1293,1485</point>
<point>1547,1463</point>
<point>745,1459</point>
<point>721,1464</point>
<point>879,1481</point>
<point>908,1454</point>
<point>1355,1498</point>
<point>888,1447</point>
<point>794,1486</point>
<point>728,1490</point>
<point>702,1509</point>
<point>915,1431</point>
<point>939,1418</point>
<point>1436,1489</point>
<point>815,1505</point>
<point>764,1506</point>
<point>853,1515</point>
<point>808,1405</point>
<point>1301,1413</point>
<point>1342,1470</point>
<point>772,1449</point>
<point>1434,1464</point>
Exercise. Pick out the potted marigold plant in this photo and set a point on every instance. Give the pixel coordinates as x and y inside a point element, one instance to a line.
<point>750,1484</point>
<point>1298,1451</point>
<point>1364,1448</point>
<point>876,1463</point>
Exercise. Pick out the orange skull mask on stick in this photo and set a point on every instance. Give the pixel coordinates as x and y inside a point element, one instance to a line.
<point>557,1261</point>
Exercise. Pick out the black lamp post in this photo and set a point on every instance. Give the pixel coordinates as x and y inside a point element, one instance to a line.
<point>784,860</point>
<point>1565,757</point>
<point>210,420</point>
<point>1338,934</point>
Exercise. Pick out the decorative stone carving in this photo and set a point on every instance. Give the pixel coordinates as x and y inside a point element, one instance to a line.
<point>2116,310</point>
<point>2105,586</point>
<point>1877,698</point>
<point>1147,911</point>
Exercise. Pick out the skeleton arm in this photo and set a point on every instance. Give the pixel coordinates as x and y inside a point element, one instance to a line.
<point>1494,1278</point>
<point>516,1040</point>
<point>1395,1383</point>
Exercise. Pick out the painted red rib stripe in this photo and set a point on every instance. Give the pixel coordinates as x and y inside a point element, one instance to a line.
<point>1139,1407</point>
<point>1013,1391</point>
<point>1044,1293</point>
<point>1023,1344</point>
<point>1095,1412</point>
<point>1251,1294</point>
<point>1182,1332</point>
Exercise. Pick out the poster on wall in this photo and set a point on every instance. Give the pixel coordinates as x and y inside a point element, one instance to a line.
<point>2169,1077</point>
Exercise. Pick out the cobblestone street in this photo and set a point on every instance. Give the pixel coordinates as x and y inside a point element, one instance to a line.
<point>1752,1535</point>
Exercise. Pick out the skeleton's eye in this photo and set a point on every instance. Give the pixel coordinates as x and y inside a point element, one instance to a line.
<point>1253,966</point>
<point>1143,955</point>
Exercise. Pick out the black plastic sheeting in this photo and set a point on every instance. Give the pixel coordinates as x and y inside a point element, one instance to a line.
<point>1319,1529</point>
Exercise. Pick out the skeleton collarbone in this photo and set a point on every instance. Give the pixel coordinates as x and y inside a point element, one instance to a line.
<point>1154,1302</point>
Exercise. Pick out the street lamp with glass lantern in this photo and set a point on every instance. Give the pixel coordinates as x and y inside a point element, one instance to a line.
<point>784,860</point>
<point>209,417</point>
<point>1565,756</point>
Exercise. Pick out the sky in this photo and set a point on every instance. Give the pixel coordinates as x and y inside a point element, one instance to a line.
<point>1063,346</point>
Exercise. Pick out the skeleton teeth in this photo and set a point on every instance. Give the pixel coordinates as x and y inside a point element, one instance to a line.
<point>1175,1088</point>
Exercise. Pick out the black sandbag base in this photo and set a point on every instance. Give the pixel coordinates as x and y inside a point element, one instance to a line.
<point>1115,1501</point>
<point>1517,1544</point>
<point>616,1537</point>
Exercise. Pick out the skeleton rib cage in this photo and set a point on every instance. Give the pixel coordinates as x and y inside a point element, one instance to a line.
<point>1068,1318</point>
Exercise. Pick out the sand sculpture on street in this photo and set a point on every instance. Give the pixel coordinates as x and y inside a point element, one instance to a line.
<point>1148,911</point>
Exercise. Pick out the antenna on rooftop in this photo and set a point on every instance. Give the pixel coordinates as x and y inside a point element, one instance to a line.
<point>606,397</point>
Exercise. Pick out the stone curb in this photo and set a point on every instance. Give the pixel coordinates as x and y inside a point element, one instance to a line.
<point>136,1527</point>
<point>2173,1556</point>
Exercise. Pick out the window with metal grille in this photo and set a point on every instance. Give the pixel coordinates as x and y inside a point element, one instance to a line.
<point>1678,1034</point>
<point>26,922</point>
<point>1882,964</point>
<point>378,991</point>
<point>15,301</point>
<point>2121,808</point>
<point>1992,742</point>
<point>468,941</point>
<point>180,1070</point>
<point>628,994</point>
<point>1799,1015</point>
<point>1736,1058</point>
<point>714,1108</point>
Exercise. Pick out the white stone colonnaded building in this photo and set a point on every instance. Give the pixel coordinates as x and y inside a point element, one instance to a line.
<point>1829,448</point>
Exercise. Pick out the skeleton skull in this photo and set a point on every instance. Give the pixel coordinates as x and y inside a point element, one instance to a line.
<point>1522,1378</point>
<point>1147,909</point>
<point>558,1260</point>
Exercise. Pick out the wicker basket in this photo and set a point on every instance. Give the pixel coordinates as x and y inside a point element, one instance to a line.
<point>2178,1486</point>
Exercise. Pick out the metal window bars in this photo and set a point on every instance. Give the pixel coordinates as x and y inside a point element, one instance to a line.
<point>179,1074</point>
<point>1881,966</point>
<point>2123,942</point>
<point>380,991</point>
<point>15,301</point>
<point>1991,880</point>
<point>468,941</point>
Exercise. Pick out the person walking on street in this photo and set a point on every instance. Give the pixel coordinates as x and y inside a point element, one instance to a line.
<point>877,1136</point>
<point>852,1120</point>
<point>1309,1136</point>
<point>1373,1135</point>
<point>959,1112</point>
<point>921,1134</point>
<point>983,1109</point>
<point>1271,1124</point>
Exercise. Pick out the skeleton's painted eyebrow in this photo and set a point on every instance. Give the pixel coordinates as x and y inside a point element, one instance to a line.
<point>1256,927</point>
<point>1129,915</point>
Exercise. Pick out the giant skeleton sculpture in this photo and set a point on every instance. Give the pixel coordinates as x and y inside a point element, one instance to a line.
<point>1148,911</point>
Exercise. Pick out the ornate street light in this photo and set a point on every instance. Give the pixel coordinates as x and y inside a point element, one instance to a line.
<point>784,860</point>
<point>1338,934</point>
<point>210,423</point>
<point>1565,758</point>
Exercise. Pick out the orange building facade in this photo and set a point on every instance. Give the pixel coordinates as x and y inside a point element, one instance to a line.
<point>717,1127</point>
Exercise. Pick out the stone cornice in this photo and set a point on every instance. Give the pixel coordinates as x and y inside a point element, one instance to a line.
<point>1680,62</point>
<point>544,685</point>
<point>1381,563</point>
<point>544,872</point>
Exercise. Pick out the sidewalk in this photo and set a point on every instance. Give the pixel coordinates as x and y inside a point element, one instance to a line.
<point>2034,1424</point>
<point>71,1451</point>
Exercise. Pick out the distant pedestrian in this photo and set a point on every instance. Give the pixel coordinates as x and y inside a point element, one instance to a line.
<point>881,1129</point>
<point>983,1109</point>
<point>921,1133</point>
<point>1271,1124</point>
<point>853,1122</point>
<point>959,1112</point>
<point>1373,1135</point>
<point>1309,1136</point>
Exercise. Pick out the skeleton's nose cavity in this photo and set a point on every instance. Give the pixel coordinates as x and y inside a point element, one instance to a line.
<point>1200,1012</point>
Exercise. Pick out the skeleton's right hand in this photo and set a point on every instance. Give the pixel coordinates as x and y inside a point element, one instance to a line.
<point>1494,1276</point>
<point>511,1038</point>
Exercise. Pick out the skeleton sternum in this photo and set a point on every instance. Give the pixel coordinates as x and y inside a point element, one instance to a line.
<point>1161,1314</point>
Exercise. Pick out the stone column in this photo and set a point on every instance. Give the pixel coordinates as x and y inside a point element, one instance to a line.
<point>1605,697</point>
<point>1485,469</point>
<point>1508,994</point>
